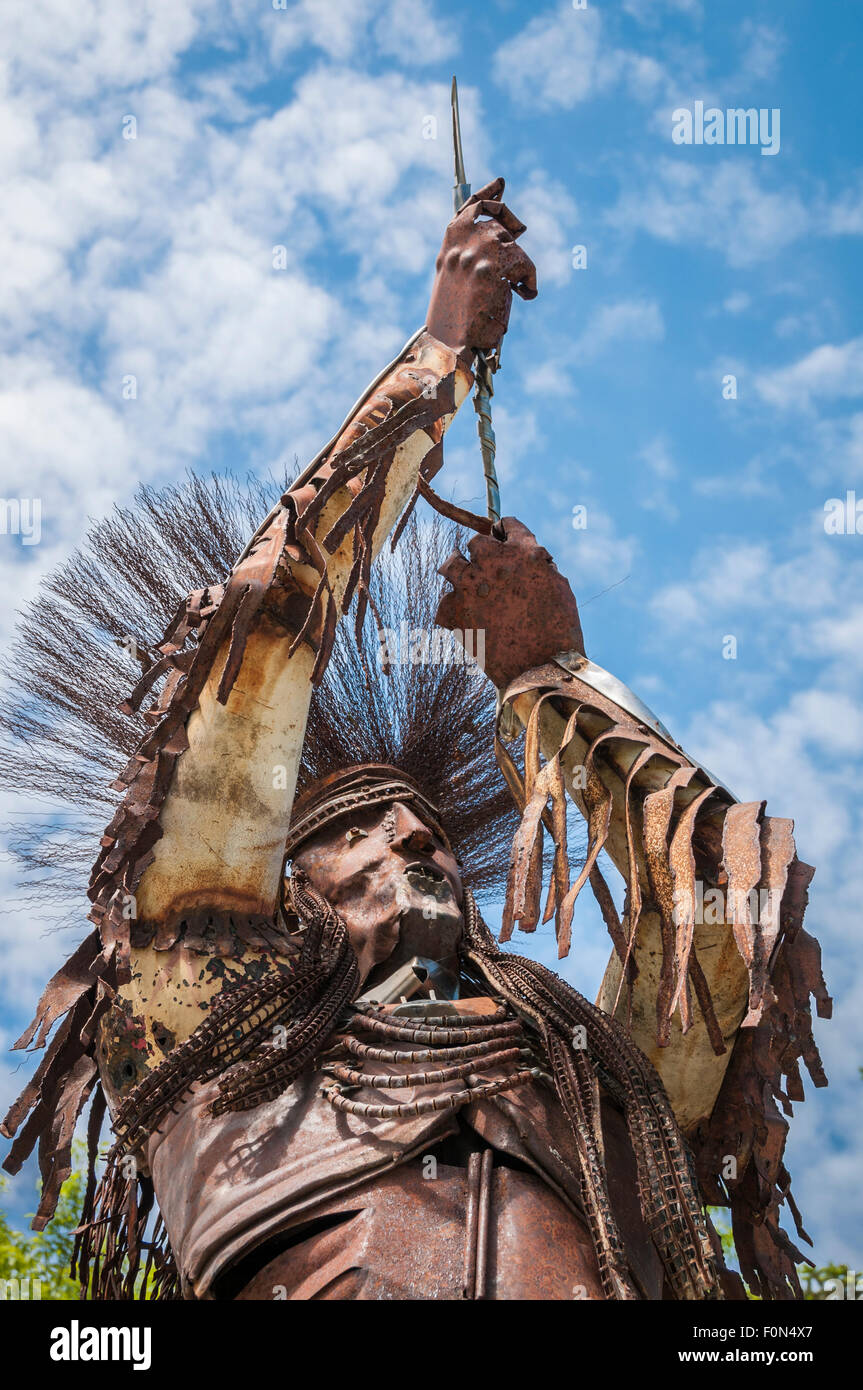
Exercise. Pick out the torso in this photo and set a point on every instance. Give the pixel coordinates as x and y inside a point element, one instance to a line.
<point>297,1199</point>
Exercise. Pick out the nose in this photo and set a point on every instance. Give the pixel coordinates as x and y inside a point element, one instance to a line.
<point>409,832</point>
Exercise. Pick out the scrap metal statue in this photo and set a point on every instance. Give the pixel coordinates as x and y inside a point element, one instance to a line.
<point>321,1069</point>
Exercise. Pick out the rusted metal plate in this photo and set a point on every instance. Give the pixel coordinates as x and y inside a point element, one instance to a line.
<point>535,1248</point>
<point>535,610</point>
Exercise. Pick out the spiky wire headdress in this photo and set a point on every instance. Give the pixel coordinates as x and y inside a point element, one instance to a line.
<point>432,719</point>
<point>96,622</point>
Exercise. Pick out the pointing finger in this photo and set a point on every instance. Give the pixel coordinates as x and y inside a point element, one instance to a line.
<point>453,566</point>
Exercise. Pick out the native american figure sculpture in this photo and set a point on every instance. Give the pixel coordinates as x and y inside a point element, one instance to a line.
<point>320,1067</point>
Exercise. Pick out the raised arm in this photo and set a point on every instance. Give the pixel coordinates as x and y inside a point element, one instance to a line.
<point>711,967</point>
<point>205,816</point>
<point>186,888</point>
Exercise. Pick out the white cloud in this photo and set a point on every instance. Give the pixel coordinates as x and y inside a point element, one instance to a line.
<point>723,202</point>
<point>839,440</point>
<point>724,577</point>
<point>408,30</point>
<point>752,480</point>
<point>840,636</point>
<point>216,329</point>
<point>793,588</point>
<point>592,558</point>
<point>804,748</point>
<point>648,11</point>
<point>845,217</point>
<point>725,207</point>
<point>658,458</point>
<point>808,321</point>
<point>656,495</point>
<point>335,29</point>
<point>402,29</point>
<point>628,320</point>
<point>96,46</point>
<point>556,60</point>
<point>154,257</point>
<point>561,59</point>
<point>57,434</point>
<point>829,372</point>
<point>549,378</point>
<point>762,48</point>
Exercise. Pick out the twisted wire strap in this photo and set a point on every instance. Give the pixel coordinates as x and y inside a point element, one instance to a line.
<point>424,1054</point>
<point>387,1080</point>
<point>485,367</point>
<point>453,1100</point>
<point>459,1040</point>
<point>464,1030</point>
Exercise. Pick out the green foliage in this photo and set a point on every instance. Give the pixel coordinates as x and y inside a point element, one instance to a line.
<point>722,1225</point>
<point>43,1257</point>
<point>829,1282</point>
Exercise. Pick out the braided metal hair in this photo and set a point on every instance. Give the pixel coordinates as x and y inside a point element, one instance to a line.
<point>256,1039</point>
<point>668,1188</point>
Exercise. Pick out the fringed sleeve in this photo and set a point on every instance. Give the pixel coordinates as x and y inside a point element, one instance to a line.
<point>296,578</point>
<point>51,1102</point>
<point>712,970</point>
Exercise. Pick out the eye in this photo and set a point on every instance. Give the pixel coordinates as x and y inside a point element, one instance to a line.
<point>353,882</point>
<point>355,834</point>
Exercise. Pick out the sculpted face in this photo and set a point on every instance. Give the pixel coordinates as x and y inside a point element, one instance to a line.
<point>395,884</point>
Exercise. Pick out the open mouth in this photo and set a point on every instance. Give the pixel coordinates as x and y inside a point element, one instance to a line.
<point>428,878</point>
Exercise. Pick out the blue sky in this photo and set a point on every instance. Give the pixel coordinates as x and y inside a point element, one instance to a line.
<point>304,128</point>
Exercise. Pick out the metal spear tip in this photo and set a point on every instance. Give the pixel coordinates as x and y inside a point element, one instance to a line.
<point>461,187</point>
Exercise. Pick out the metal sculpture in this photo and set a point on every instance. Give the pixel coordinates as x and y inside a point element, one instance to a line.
<point>281,1059</point>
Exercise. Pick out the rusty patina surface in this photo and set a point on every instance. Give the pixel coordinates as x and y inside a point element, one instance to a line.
<point>525,1244</point>
<point>269,1183</point>
<point>174,983</point>
<point>721,1006</point>
<point>282,1118</point>
<point>535,612</point>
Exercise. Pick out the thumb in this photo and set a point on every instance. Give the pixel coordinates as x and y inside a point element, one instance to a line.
<point>449,611</point>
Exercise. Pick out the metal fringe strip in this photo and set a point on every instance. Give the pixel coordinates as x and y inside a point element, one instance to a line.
<point>685,829</point>
<point>59,1089</point>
